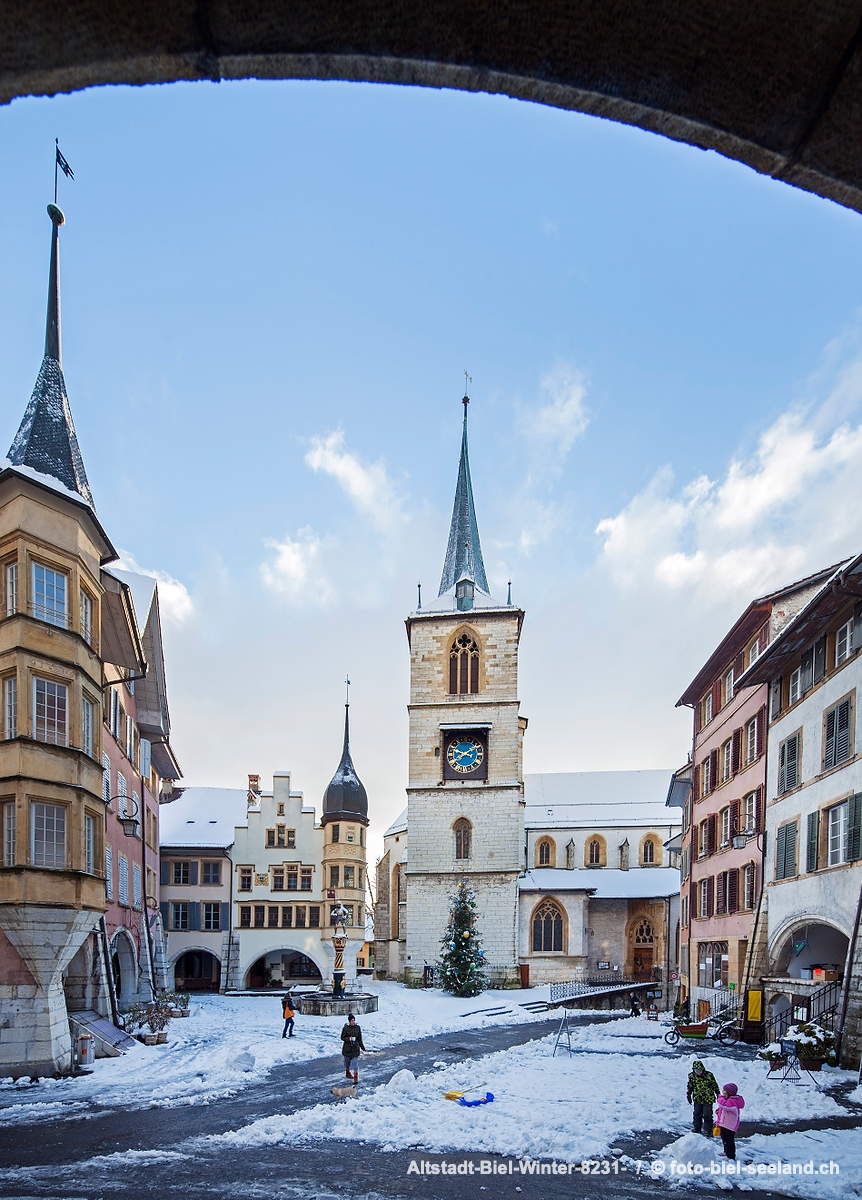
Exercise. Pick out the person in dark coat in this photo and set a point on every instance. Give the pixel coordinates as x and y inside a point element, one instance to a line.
<point>287,1011</point>
<point>351,1045</point>
<point>701,1093</point>
<point>636,1011</point>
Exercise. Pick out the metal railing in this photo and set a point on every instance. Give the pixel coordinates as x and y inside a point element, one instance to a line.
<point>822,1006</point>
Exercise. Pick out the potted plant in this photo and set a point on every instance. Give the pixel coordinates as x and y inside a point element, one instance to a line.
<point>183,1003</point>
<point>814,1045</point>
<point>134,1020</point>
<point>774,1055</point>
<point>158,1015</point>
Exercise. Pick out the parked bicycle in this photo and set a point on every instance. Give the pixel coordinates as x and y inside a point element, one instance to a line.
<point>723,1030</point>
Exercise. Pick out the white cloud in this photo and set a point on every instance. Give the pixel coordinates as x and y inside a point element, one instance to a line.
<point>296,571</point>
<point>367,486</point>
<point>553,426</point>
<point>175,603</point>
<point>783,511</point>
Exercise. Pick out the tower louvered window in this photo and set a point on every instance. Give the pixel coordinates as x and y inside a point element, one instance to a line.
<point>463,666</point>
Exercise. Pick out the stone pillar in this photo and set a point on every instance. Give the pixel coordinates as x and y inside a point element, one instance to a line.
<point>36,1039</point>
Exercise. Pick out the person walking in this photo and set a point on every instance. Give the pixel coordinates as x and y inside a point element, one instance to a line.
<point>351,1045</point>
<point>635,1011</point>
<point>287,1011</point>
<point>727,1117</point>
<point>701,1093</point>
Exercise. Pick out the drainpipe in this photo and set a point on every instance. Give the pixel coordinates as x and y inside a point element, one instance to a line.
<point>229,928</point>
<point>109,973</point>
<point>845,990</point>
<point>145,912</point>
<point>667,956</point>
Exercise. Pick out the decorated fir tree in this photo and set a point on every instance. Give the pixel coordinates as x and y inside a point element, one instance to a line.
<point>462,958</point>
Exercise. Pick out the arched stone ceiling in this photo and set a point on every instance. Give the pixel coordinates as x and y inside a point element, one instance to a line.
<point>776,84</point>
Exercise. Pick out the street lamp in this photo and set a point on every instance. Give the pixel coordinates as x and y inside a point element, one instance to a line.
<point>128,820</point>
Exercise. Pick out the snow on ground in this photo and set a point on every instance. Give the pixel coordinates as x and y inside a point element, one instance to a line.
<point>566,1107</point>
<point>197,1065</point>
<point>792,1164</point>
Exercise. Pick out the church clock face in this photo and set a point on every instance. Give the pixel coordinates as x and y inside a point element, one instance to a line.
<point>465,757</point>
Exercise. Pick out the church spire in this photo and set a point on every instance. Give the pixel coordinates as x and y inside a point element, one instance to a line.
<point>464,553</point>
<point>46,440</point>
<point>345,798</point>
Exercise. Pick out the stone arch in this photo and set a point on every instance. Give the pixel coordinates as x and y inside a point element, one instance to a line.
<point>549,926</point>
<point>208,974</point>
<point>776,91</point>
<point>644,944</point>
<point>317,957</point>
<point>546,852</point>
<point>826,944</point>
<point>650,850</point>
<point>124,964</point>
<point>595,851</point>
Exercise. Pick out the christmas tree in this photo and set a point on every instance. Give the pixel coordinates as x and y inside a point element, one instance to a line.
<point>462,960</point>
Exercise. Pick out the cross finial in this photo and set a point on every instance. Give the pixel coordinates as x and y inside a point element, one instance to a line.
<point>347,693</point>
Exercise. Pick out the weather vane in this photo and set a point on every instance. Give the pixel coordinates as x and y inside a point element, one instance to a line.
<point>60,162</point>
<point>347,692</point>
<point>468,379</point>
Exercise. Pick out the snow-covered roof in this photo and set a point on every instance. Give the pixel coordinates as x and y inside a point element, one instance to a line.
<point>398,825</point>
<point>593,798</point>
<point>605,883</point>
<point>203,816</point>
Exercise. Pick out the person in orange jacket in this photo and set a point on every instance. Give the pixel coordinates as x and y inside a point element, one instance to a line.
<point>287,1011</point>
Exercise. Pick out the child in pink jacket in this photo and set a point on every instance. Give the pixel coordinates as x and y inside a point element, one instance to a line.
<point>727,1117</point>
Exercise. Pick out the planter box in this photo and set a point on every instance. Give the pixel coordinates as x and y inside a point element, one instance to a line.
<point>176,1012</point>
<point>161,1038</point>
<point>184,1012</point>
<point>149,1039</point>
<point>811,1064</point>
<point>777,1065</point>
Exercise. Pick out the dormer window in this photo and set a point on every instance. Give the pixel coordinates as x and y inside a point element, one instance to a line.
<point>464,593</point>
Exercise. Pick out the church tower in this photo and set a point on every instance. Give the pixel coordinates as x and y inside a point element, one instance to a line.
<point>466,780</point>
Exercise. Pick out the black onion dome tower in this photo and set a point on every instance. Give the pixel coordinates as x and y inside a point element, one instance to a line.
<point>345,799</point>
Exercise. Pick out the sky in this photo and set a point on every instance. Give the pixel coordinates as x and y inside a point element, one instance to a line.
<point>271,292</point>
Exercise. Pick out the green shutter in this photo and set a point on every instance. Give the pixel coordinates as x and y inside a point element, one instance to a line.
<point>780,844</point>
<point>854,827</point>
<point>811,850</point>
<point>790,851</point>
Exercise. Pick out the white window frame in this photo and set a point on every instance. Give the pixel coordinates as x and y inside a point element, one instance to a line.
<point>11,588</point>
<point>844,643</point>
<point>702,836</point>
<point>10,706</point>
<point>89,844</point>
<point>727,760</point>
<point>725,826</point>
<point>48,835</point>
<point>728,686</point>
<point>839,825</point>
<point>9,833</point>
<point>705,776</point>
<point>702,897</point>
<point>749,885</point>
<point>751,740</point>
<point>795,686</point>
<point>146,752</point>
<point>210,916</point>
<point>707,708</point>
<point>179,908</point>
<point>750,803</point>
<point>49,699</point>
<point>754,651</point>
<point>88,716</point>
<point>86,616</point>
<point>53,607</point>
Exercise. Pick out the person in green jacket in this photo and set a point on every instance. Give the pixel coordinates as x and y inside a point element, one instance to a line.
<point>701,1093</point>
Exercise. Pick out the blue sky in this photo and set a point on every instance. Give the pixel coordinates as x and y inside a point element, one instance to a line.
<point>270,293</point>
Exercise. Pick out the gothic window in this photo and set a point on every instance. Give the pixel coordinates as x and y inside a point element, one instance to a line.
<point>650,851</point>
<point>548,928</point>
<point>643,934</point>
<point>546,855</point>
<point>463,666</point>
<point>595,851</point>
<point>463,830</point>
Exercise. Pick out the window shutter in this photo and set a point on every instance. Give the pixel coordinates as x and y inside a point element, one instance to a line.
<point>780,846</point>
<point>819,659</point>
<point>857,625</point>
<point>697,721</point>
<point>193,876</point>
<point>736,750</point>
<point>713,769</point>
<point>733,891</point>
<point>829,745</point>
<point>758,811</point>
<point>734,817</point>
<point>763,638</point>
<point>811,848</point>
<point>791,766</point>
<point>782,767</point>
<point>716,696</point>
<point>775,706</point>
<point>224,922</point>
<point>695,782</point>
<point>720,892</point>
<point>790,851</point>
<point>761,729</point>
<point>842,731</point>
<point>854,827</point>
<point>194,915</point>
<point>710,895</point>
<point>164,873</point>
<point>807,671</point>
<point>739,664</point>
<point>163,909</point>
<point>710,834</point>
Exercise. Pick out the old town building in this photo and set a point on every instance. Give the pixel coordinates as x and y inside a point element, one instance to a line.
<point>68,635</point>
<point>721,871</point>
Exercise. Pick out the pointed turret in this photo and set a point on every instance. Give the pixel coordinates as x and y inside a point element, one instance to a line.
<point>345,798</point>
<point>46,440</point>
<point>464,554</point>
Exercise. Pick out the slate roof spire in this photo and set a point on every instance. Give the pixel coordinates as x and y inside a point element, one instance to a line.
<point>345,798</point>
<point>46,439</point>
<point>464,553</point>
